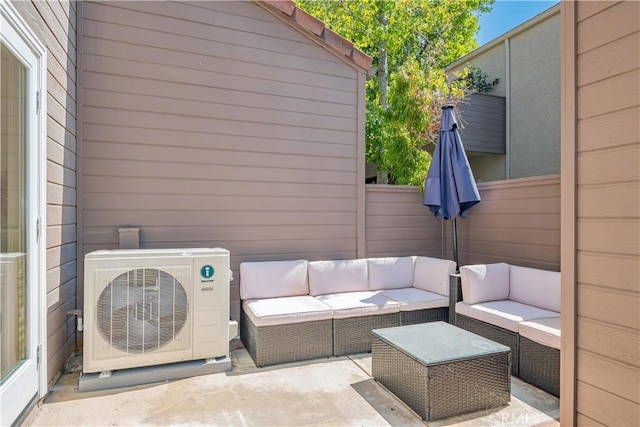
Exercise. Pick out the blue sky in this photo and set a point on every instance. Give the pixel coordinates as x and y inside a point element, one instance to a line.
<point>507,14</point>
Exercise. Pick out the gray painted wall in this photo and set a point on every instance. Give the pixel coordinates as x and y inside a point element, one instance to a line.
<point>487,167</point>
<point>492,61</point>
<point>535,100</point>
<point>215,124</point>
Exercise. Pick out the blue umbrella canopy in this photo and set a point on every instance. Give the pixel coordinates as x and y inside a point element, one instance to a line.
<point>450,189</point>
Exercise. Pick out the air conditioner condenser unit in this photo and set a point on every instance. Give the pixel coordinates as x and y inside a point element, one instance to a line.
<point>148,307</point>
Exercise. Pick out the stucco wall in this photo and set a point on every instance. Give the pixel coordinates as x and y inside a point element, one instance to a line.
<point>527,62</point>
<point>487,167</point>
<point>535,100</point>
<point>492,62</point>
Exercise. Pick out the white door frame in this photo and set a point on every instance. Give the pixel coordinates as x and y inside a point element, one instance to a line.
<point>23,43</point>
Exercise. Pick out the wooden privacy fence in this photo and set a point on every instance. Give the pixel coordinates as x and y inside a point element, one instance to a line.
<point>518,222</point>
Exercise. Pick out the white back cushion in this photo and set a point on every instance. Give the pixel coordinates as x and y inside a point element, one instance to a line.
<point>540,288</point>
<point>272,279</point>
<point>390,273</point>
<point>484,282</point>
<point>432,274</point>
<point>332,277</point>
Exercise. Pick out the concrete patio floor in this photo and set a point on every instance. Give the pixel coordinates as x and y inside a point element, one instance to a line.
<point>336,391</point>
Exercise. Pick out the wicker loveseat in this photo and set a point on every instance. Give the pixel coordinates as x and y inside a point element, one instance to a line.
<point>519,307</point>
<point>297,310</point>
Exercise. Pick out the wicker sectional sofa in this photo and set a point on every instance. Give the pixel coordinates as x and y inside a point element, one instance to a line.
<point>518,307</point>
<point>298,310</point>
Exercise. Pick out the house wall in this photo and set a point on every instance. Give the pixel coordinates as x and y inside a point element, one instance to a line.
<point>492,62</point>
<point>534,100</point>
<point>398,224</point>
<point>527,62</point>
<point>517,222</point>
<point>489,166</point>
<point>54,23</point>
<point>601,134</point>
<point>215,124</point>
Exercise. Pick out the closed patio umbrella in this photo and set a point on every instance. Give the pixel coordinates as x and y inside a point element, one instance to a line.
<point>450,188</point>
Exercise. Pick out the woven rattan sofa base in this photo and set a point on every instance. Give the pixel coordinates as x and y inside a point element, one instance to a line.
<point>540,366</point>
<point>424,316</point>
<point>269,345</point>
<point>353,334</point>
<point>494,333</point>
<point>445,390</point>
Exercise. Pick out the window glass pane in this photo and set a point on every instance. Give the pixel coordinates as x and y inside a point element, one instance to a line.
<point>13,213</point>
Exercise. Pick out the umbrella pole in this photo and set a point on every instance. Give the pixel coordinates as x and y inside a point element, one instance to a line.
<point>455,245</point>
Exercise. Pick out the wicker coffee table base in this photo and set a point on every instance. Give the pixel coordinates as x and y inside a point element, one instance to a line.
<point>444,390</point>
<point>270,345</point>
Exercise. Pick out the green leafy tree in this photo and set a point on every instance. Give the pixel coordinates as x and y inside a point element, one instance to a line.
<point>410,42</point>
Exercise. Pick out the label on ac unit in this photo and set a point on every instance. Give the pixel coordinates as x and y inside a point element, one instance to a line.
<point>206,273</point>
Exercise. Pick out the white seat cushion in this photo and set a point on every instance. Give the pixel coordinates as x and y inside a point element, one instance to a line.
<point>331,277</point>
<point>543,331</point>
<point>282,311</point>
<point>484,282</point>
<point>355,304</point>
<point>272,279</point>
<point>505,314</point>
<point>390,273</point>
<point>411,299</point>
<point>540,288</point>
<point>432,274</point>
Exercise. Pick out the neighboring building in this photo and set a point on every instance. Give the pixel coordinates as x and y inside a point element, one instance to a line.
<point>231,124</point>
<point>525,102</point>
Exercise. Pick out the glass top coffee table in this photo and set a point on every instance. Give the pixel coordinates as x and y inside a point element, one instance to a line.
<point>440,370</point>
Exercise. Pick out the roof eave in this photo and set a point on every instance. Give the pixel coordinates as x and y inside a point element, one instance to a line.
<point>316,30</point>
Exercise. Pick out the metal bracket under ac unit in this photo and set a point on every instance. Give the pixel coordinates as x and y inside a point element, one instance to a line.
<point>152,374</point>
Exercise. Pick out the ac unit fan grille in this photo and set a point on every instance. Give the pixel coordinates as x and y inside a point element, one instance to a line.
<point>142,310</point>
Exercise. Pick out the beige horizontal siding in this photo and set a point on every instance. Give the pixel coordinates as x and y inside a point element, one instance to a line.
<point>605,408</point>
<point>608,213</point>
<point>398,224</point>
<point>215,124</point>
<point>623,379</point>
<point>517,222</point>
<point>54,23</point>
